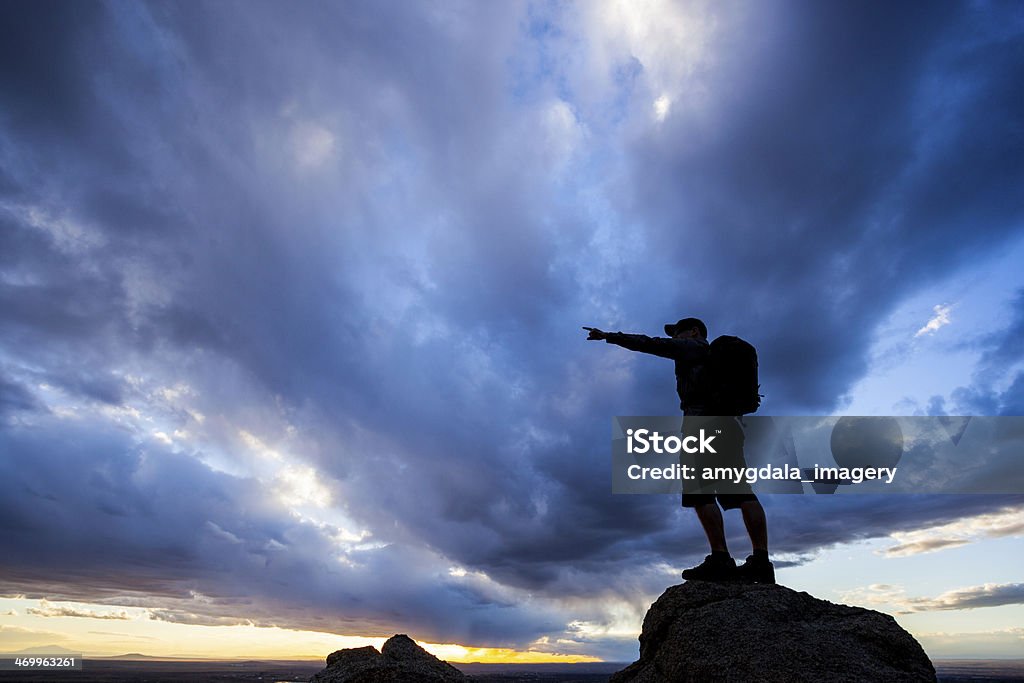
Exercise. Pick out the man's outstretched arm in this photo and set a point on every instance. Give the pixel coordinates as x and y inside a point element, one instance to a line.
<point>675,349</point>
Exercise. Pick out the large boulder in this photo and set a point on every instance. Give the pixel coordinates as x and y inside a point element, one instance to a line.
<point>701,631</point>
<point>400,660</point>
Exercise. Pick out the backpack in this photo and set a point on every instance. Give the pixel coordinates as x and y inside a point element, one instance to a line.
<point>730,377</point>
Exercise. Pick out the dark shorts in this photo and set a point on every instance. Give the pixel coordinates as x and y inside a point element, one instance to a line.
<point>728,443</point>
<point>728,501</point>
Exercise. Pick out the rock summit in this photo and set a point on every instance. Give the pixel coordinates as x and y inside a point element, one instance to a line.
<point>400,660</point>
<point>701,631</point>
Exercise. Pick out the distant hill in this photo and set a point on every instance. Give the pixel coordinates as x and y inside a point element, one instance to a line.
<point>138,657</point>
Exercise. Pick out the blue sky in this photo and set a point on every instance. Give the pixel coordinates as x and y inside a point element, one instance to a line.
<point>291,296</point>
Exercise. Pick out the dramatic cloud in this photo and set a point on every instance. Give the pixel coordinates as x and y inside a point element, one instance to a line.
<point>292,295</point>
<point>1002,524</point>
<point>988,595</point>
<point>972,597</point>
<point>45,609</point>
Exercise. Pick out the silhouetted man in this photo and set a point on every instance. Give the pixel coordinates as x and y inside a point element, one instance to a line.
<point>687,344</point>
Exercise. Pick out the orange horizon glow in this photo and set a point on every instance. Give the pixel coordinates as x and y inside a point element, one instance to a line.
<point>461,654</point>
<point>89,630</point>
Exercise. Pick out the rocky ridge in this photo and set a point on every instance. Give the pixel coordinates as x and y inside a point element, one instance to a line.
<point>701,631</point>
<point>400,660</point>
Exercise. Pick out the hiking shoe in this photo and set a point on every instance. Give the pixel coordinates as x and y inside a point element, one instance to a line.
<point>713,568</point>
<point>756,571</point>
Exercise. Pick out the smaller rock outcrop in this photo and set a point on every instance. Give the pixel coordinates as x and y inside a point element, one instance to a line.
<point>700,631</point>
<point>400,660</point>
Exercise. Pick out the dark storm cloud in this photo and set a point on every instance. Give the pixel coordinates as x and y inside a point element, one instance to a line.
<point>14,396</point>
<point>1002,352</point>
<point>40,78</point>
<point>229,554</point>
<point>853,161</point>
<point>339,217</point>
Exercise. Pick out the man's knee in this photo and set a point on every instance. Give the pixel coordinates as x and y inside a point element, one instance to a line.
<point>732,501</point>
<point>752,505</point>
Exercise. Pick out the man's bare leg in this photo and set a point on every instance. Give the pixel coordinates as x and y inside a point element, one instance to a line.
<point>710,517</point>
<point>718,566</point>
<point>758,568</point>
<point>757,525</point>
